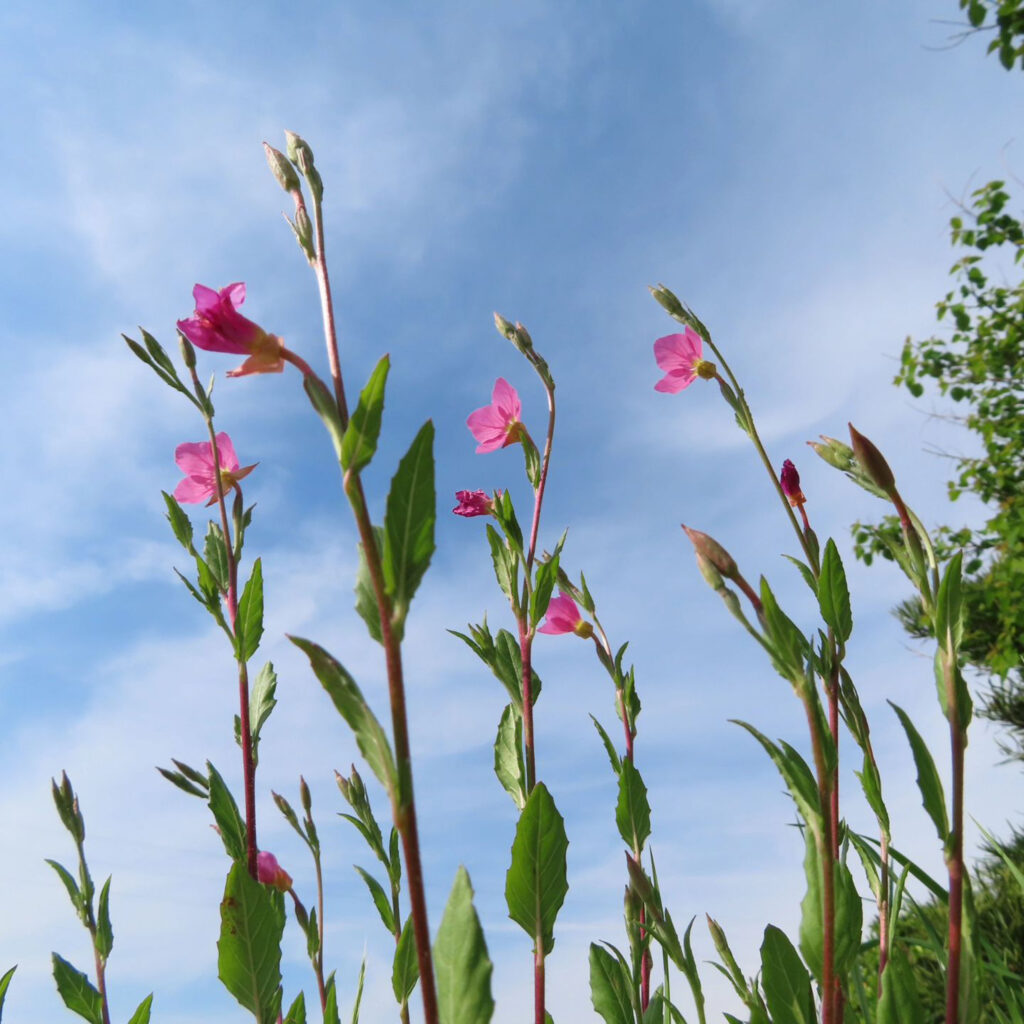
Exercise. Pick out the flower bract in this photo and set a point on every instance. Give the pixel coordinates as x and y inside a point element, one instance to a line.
<point>195,460</point>
<point>497,425</point>
<point>217,326</point>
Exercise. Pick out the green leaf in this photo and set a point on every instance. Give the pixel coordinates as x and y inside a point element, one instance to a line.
<point>805,572</point>
<point>104,930</point>
<point>360,441</point>
<point>351,705</point>
<point>949,614</point>
<point>613,754</point>
<point>610,987</point>
<point>225,812</point>
<point>325,406</point>
<point>77,991</point>
<point>71,885</point>
<point>5,984</point>
<point>249,621</point>
<point>141,1014</point>
<point>409,523</point>
<point>366,597</point>
<point>331,1002</point>
<point>504,564</point>
<point>848,913</point>
<point>380,899</point>
<point>249,947</point>
<point>536,884</point>
<point>898,1002</point>
<point>297,1011</point>
<point>508,755</point>
<point>405,970</point>
<point>262,701</point>
<point>546,574</point>
<point>787,985</point>
<point>461,962</point>
<point>180,522</point>
<point>632,812</point>
<point>789,644</point>
<point>834,594</point>
<point>358,999</point>
<point>797,776</point>
<point>928,781</point>
<point>215,556</point>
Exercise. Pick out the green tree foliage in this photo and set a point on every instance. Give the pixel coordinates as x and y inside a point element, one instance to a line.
<point>979,365</point>
<point>1006,19</point>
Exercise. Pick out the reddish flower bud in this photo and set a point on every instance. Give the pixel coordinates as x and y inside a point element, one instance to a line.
<point>473,503</point>
<point>790,481</point>
<point>872,462</point>
<point>269,872</point>
<point>709,548</point>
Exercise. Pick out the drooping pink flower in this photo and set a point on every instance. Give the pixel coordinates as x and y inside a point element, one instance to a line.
<point>473,503</point>
<point>679,355</point>
<point>269,872</point>
<point>217,326</point>
<point>790,481</point>
<point>195,460</point>
<point>564,617</point>
<point>497,425</point>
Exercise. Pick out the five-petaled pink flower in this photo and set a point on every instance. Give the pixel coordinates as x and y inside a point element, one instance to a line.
<point>195,460</point>
<point>564,617</point>
<point>497,425</point>
<point>679,355</point>
<point>269,872</point>
<point>217,326</point>
<point>790,481</point>
<point>473,503</point>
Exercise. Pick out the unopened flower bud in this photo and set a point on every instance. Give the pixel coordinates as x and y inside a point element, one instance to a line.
<point>834,452</point>
<point>523,336</point>
<point>872,462</point>
<point>302,156</point>
<point>304,796</point>
<point>303,228</point>
<point>789,480</point>
<point>504,326</point>
<point>188,352</point>
<point>667,301</point>
<point>281,168</point>
<point>269,872</point>
<point>711,575</point>
<point>710,549</point>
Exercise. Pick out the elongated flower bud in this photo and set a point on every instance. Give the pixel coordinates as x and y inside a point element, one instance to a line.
<point>709,548</point>
<point>872,462</point>
<point>281,168</point>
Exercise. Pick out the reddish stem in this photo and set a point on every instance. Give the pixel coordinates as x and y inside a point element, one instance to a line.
<point>955,861</point>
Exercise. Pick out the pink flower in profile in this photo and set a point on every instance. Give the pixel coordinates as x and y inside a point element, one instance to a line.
<point>195,460</point>
<point>269,872</point>
<point>497,425</point>
<point>679,355</point>
<point>790,481</point>
<point>217,326</point>
<point>473,503</point>
<point>564,617</point>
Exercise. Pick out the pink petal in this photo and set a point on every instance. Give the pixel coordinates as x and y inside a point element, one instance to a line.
<point>562,616</point>
<point>505,399</point>
<point>194,458</point>
<point>226,452</point>
<point>234,293</point>
<point>193,490</point>
<point>676,351</point>
<point>674,382</point>
<point>206,298</point>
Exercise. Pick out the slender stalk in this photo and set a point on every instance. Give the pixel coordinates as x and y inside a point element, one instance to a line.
<point>526,655</point>
<point>403,805</point>
<point>538,978</point>
<point>101,982</point>
<point>90,924</point>
<point>231,598</point>
<point>321,988</point>
<point>826,853</point>
<point>955,858</point>
<point>883,908</point>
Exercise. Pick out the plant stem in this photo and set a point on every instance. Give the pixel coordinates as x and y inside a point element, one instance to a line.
<point>538,978</point>
<point>231,598</point>
<point>320,930</point>
<point>955,857</point>
<point>101,981</point>
<point>327,311</point>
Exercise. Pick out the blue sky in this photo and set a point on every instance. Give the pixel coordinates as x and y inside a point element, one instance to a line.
<point>789,170</point>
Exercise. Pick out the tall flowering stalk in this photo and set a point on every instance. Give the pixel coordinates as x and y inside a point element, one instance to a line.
<point>536,882</point>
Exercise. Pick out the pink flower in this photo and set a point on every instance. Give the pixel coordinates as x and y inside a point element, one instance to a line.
<point>564,617</point>
<point>217,326</point>
<point>497,425</point>
<point>195,460</point>
<point>790,481</point>
<point>679,355</point>
<point>269,872</point>
<point>473,503</point>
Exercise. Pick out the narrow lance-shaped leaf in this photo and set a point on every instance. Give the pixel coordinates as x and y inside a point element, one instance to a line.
<point>405,970</point>
<point>142,1011</point>
<point>5,984</point>
<point>249,947</point>
<point>610,987</point>
<point>787,986</point>
<point>363,431</point>
<point>366,597</point>
<point>351,705</point>
<point>508,755</point>
<point>834,594</point>
<point>380,899</point>
<point>928,781</point>
<point>632,812</point>
<point>297,1011</point>
<point>77,991</point>
<point>230,825</point>
<point>536,884</point>
<point>461,961</point>
<point>249,621</point>
<point>104,929</point>
<point>409,523</point>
